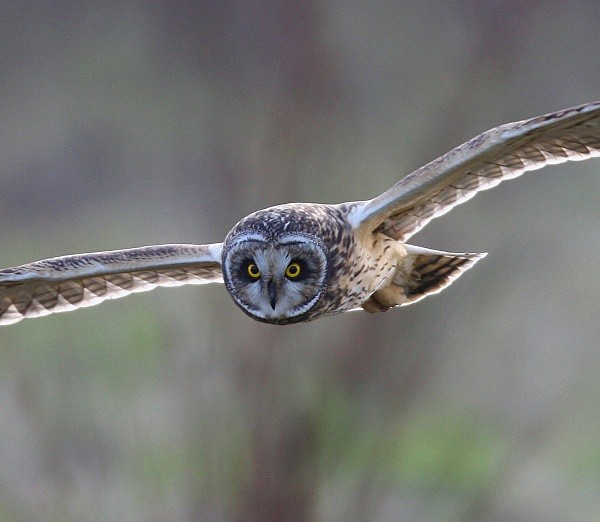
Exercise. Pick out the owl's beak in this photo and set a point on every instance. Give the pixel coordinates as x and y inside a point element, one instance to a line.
<point>272,291</point>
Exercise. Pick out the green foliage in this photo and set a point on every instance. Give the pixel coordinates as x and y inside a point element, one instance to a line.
<point>453,450</point>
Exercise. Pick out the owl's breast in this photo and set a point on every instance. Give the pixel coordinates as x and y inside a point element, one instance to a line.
<point>365,266</point>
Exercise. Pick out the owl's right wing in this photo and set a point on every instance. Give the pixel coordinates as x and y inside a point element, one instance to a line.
<point>504,152</point>
<point>62,284</point>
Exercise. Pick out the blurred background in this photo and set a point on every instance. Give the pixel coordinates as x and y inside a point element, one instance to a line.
<point>133,123</point>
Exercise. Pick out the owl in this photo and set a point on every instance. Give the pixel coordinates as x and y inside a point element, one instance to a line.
<point>301,261</point>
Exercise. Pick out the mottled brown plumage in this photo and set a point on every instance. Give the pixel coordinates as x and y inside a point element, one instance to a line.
<point>296,262</point>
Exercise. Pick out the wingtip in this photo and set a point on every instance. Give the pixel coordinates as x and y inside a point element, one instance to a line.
<point>476,257</point>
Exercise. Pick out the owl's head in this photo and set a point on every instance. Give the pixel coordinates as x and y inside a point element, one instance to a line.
<point>275,280</point>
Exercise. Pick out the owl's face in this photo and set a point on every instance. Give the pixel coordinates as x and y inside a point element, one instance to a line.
<point>275,281</point>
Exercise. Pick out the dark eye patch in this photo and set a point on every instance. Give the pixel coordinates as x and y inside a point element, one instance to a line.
<point>305,269</point>
<point>243,273</point>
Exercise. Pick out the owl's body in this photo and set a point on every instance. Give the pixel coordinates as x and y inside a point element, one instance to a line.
<point>301,261</point>
<point>364,269</point>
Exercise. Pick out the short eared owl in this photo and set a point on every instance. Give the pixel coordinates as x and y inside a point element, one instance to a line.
<point>300,261</point>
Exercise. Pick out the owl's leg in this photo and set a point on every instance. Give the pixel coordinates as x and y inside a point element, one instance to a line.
<point>384,299</point>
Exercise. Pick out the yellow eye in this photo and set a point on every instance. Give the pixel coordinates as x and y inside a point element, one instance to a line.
<point>253,271</point>
<point>292,271</point>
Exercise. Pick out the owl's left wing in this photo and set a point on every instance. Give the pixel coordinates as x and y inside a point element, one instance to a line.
<point>501,153</point>
<point>62,284</point>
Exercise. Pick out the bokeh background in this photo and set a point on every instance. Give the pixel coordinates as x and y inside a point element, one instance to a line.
<point>132,123</point>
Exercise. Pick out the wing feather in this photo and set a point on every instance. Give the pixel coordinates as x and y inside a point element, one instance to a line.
<point>62,284</point>
<point>504,152</point>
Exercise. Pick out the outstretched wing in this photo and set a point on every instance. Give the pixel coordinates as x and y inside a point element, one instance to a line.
<point>66,283</point>
<point>501,153</point>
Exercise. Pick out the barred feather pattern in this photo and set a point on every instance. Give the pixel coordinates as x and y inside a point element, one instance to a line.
<point>432,273</point>
<point>66,283</point>
<point>499,154</point>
